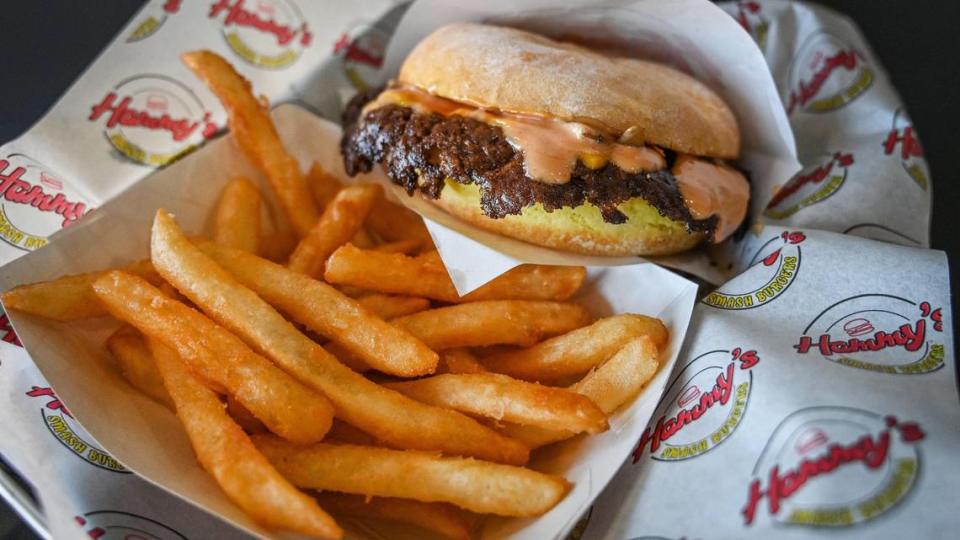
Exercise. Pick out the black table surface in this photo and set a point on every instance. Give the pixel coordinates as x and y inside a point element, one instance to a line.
<point>46,45</point>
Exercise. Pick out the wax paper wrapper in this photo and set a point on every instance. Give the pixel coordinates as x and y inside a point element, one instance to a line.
<point>863,175</point>
<point>147,439</point>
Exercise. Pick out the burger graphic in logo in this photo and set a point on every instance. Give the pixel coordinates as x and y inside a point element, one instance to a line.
<point>810,186</point>
<point>361,51</point>
<point>826,74</point>
<point>750,16</point>
<point>877,332</point>
<point>114,525</point>
<point>153,21</point>
<point>773,268</point>
<point>833,467</point>
<point>34,203</point>
<point>153,119</point>
<point>266,33</point>
<point>903,142</point>
<point>61,424</point>
<point>702,406</point>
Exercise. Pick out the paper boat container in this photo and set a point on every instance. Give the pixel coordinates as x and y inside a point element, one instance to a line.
<point>148,439</point>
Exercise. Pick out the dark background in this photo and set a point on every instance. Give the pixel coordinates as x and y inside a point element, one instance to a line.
<point>45,45</point>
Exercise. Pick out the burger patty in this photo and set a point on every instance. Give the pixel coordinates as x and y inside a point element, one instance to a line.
<point>420,151</point>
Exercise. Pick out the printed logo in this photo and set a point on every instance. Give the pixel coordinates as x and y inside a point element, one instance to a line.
<point>702,406</point>
<point>266,33</point>
<point>361,50</point>
<point>34,203</point>
<point>7,333</point>
<point>902,141</point>
<point>68,431</point>
<point>153,21</point>
<point>880,232</point>
<point>115,525</point>
<point>153,119</point>
<point>877,332</point>
<point>826,74</point>
<point>773,268</point>
<point>810,186</point>
<point>750,16</point>
<point>833,467</point>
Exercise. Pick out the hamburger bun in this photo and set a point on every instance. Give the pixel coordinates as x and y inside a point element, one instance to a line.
<point>515,71</point>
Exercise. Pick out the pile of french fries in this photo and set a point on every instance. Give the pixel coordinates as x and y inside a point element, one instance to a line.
<point>319,356</point>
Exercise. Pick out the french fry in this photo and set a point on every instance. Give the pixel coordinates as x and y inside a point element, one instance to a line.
<point>323,185</point>
<point>389,307</point>
<point>503,398</point>
<point>342,432</point>
<point>459,361</point>
<point>326,311</point>
<point>346,357</point>
<point>610,386</point>
<point>69,298</point>
<point>440,518</point>
<point>286,406</point>
<point>244,418</point>
<point>363,239</point>
<point>408,247</point>
<point>477,324</point>
<point>236,221</point>
<point>565,358</point>
<point>255,134</point>
<point>340,221</point>
<point>392,222</point>
<point>387,415</point>
<point>136,364</point>
<point>425,275</point>
<point>475,485</point>
<point>277,239</point>
<point>227,453</point>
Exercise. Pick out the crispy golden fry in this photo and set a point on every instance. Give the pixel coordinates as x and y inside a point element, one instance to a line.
<point>136,363</point>
<point>323,185</point>
<point>346,357</point>
<point>363,239</point>
<point>459,361</point>
<point>236,221</point>
<point>341,220</point>
<point>70,297</point>
<point>477,324</point>
<point>443,519</point>
<point>393,222</point>
<point>400,246</point>
<point>565,358</point>
<point>503,398</point>
<point>226,452</point>
<point>426,276</point>
<point>389,307</point>
<point>277,239</point>
<point>244,418</point>
<point>342,432</point>
<point>255,134</point>
<point>479,486</point>
<point>610,386</point>
<point>326,311</point>
<point>286,406</point>
<point>390,416</point>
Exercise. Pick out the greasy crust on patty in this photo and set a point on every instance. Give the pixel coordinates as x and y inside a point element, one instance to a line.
<point>420,151</point>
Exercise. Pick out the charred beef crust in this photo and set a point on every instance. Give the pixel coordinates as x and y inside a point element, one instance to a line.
<point>420,150</point>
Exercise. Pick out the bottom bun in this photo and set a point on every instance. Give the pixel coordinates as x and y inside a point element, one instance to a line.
<point>580,229</point>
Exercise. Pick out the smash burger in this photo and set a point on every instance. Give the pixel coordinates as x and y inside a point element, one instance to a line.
<point>554,144</point>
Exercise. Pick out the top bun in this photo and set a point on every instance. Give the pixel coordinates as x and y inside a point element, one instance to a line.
<point>516,71</point>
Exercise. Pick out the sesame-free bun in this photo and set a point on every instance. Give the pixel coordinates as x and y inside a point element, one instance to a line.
<point>516,71</point>
<point>580,229</point>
